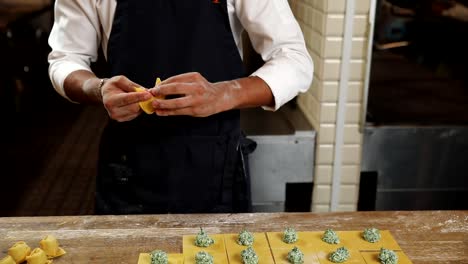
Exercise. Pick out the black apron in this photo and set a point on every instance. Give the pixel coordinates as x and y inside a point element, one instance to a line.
<point>172,164</point>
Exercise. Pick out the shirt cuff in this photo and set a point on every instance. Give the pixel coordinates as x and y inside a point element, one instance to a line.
<point>59,71</point>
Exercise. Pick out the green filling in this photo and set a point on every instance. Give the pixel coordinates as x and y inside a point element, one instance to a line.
<point>339,256</point>
<point>158,257</point>
<point>245,238</point>
<point>290,235</point>
<point>203,240</point>
<point>330,237</point>
<point>371,235</point>
<point>249,256</point>
<point>388,256</point>
<point>203,257</point>
<point>295,256</point>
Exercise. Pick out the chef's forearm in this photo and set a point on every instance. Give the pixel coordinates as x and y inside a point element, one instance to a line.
<point>251,92</point>
<point>83,87</point>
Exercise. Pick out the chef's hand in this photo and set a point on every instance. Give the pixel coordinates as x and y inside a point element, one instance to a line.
<point>121,100</point>
<point>198,97</point>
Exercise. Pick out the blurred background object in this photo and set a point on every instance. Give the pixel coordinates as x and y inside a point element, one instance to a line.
<point>415,138</point>
<point>49,151</point>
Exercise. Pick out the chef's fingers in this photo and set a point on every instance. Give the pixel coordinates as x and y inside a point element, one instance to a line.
<point>175,89</point>
<point>123,99</point>
<point>183,111</point>
<point>125,113</point>
<point>184,78</point>
<point>124,83</point>
<point>177,103</point>
<point>128,118</point>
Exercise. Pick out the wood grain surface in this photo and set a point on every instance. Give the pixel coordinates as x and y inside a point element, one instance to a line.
<point>425,236</point>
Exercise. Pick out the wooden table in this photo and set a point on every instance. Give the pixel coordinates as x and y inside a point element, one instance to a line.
<point>426,236</point>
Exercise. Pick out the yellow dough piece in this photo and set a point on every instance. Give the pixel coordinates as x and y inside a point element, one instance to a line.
<point>260,246</point>
<point>260,242</point>
<point>276,241</point>
<point>354,257</point>
<point>314,241</point>
<point>147,106</point>
<point>51,247</point>
<point>281,256</point>
<point>19,251</point>
<point>218,258</point>
<point>145,258</point>
<point>7,260</point>
<point>386,241</point>
<point>264,256</point>
<point>38,256</point>
<point>373,257</point>
<point>189,247</point>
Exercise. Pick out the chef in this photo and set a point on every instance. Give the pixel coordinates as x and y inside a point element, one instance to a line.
<point>184,158</point>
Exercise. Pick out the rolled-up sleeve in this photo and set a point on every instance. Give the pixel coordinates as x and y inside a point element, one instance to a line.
<point>277,37</point>
<point>74,40</point>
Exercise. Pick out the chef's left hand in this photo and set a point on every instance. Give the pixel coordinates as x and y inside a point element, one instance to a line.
<point>199,97</point>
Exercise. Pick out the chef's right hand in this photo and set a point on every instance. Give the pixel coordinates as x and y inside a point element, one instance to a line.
<point>121,100</point>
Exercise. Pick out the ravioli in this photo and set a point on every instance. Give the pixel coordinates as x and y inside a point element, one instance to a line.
<point>19,251</point>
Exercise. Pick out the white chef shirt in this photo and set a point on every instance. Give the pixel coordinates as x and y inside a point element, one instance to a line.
<point>82,25</point>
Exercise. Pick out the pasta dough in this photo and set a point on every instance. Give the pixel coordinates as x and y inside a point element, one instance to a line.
<point>354,257</point>
<point>145,258</point>
<point>281,257</point>
<point>38,256</point>
<point>190,248</point>
<point>373,257</point>
<point>19,251</point>
<point>51,247</point>
<point>7,260</point>
<point>276,241</point>
<point>387,241</point>
<point>147,106</point>
<point>220,258</point>
<point>260,242</point>
<point>264,256</point>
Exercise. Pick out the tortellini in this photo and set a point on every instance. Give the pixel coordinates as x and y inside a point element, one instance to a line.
<point>7,260</point>
<point>38,256</point>
<point>19,251</point>
<point>51,247</point>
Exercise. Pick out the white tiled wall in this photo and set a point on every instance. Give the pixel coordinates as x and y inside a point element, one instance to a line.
<point>322,22</point>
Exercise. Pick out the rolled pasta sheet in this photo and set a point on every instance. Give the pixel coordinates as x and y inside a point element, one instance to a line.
<point>19,251</point>
<point>51,247</point>
<point>38,256</point>
<point>7,260</point>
